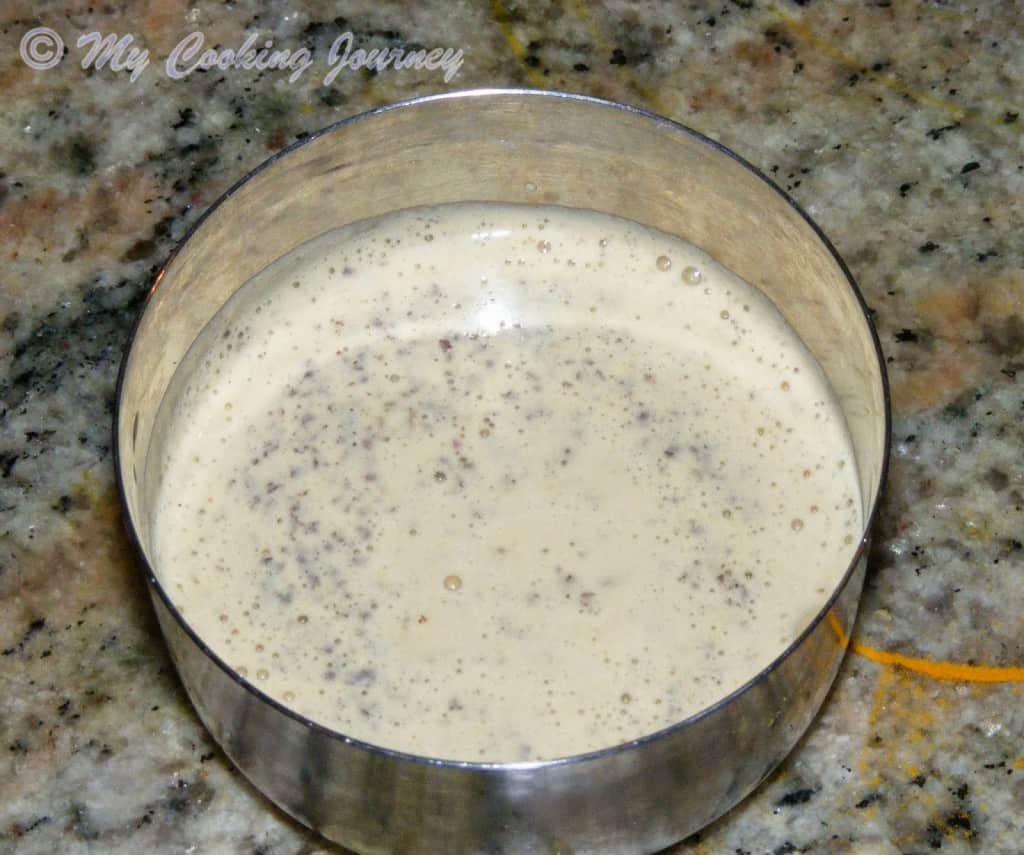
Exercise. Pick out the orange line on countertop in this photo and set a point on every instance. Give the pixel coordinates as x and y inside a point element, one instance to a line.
<point>500,15</point>
<point>934,668</point>
<point>942,670</point>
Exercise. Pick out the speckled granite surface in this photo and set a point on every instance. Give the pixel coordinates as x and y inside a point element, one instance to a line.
<point>895,123</point>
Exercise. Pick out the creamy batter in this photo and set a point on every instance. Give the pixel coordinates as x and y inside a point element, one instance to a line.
<point>501,483</point>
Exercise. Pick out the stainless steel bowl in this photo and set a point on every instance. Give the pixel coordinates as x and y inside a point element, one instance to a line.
<point>529,147</point>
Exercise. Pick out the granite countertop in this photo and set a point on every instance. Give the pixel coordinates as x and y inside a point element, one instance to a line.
<point>895,123</point>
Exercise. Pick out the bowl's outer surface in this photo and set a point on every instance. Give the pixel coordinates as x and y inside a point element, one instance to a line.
<point>531,147</point>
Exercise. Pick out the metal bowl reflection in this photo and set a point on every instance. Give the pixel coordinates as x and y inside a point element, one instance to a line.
<point>511,146</point>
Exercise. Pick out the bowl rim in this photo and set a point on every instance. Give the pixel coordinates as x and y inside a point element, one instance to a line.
<point>671,125</point>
